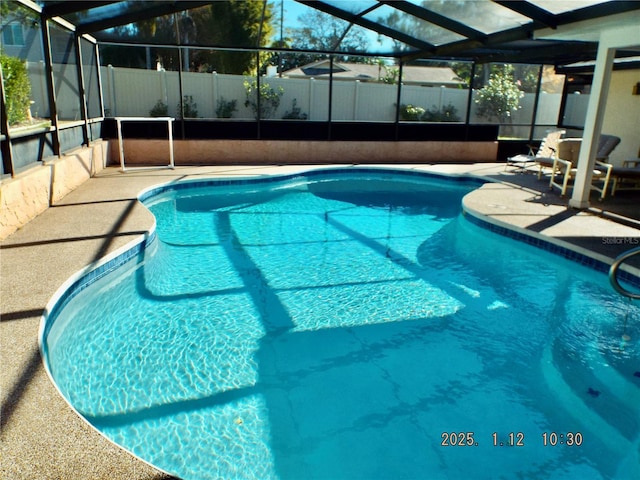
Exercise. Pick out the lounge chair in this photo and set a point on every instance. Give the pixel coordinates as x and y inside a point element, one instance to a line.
<point>543,157</point>
<point>606,145</point>
<point>565,166</point>
<point>626,177</point>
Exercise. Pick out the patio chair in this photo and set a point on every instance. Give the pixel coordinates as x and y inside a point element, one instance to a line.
<point>626,177</point>
<point>606,145</point>
<point>565,165</point>
<point>543,157</point>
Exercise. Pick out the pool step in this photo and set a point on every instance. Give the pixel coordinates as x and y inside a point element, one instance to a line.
<point>604,392</point>
<point>575,406</point>
<point>629,466</point>
<point>623,389</point>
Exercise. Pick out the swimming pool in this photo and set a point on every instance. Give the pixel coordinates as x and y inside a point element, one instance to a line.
<point>344,324</point>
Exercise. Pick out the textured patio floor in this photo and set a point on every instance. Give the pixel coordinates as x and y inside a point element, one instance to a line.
<point>42,438</point>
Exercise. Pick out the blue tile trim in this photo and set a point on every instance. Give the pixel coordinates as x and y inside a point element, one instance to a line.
<point>215,182</point>
<point>94,275</point>
<point>548,246</point>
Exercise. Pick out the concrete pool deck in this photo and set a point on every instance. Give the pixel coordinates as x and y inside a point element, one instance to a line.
<point>42,437</point>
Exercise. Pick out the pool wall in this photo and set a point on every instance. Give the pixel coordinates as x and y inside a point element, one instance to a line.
<point>284,152</point>
<point>556,247</point>
<point>33,190</point>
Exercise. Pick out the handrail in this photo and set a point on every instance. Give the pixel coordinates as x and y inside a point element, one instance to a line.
<point>613,270</point>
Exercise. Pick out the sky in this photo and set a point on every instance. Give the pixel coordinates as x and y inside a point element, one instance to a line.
<point>294,10</point>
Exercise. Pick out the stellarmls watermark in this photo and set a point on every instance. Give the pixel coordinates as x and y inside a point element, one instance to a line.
<point>621,240</point>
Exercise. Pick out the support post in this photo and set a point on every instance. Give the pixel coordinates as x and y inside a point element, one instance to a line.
<point>181,93</point>
<point>84,112</point>
<point>536,102</point>
<point>398,100</point>
<point>48,62</point>
<point>593,126</point>
<point>258,98</point>
<point>7,151</point>
<point>111,75</point>
<point>356,99</point>
<point>180,84</point>
<point>467,117</point>
<point>330,112</point>
<point>120,144</point>
<point>99,73</point>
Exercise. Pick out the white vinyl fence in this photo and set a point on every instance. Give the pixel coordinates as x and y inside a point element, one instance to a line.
<point>38,79</point>
<point>134,92</point>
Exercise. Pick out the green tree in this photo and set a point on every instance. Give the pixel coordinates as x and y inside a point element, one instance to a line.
<point>324,33</point>
<point>232,23</point>
<point>526,77</point>
<point>223,24</point>
<point>11,12</point>
<point>462,70</point>
<point>17,88</point>
<point>156,30</point>
<point>500,97</point>
<point>403,23</point>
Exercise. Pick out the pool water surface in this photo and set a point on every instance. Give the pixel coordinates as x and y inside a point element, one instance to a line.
<point>343,326</point>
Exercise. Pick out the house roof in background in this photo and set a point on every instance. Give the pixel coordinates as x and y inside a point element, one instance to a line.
<point>375,73</point>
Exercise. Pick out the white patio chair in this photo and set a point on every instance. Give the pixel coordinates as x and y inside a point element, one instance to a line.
<point>543,157</point>
<point>566,165</point>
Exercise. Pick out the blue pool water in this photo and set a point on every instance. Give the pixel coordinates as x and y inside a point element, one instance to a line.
<point>335,326</point>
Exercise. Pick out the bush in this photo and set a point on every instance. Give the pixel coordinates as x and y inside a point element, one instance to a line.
<point>189,108</point>
<point>225,108</point>
<point>447,113</point>
<point>411,113</point>
<point>17,88</point>
<point>160,109</point>
<point>294,114</point>
<point>269,99</point>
